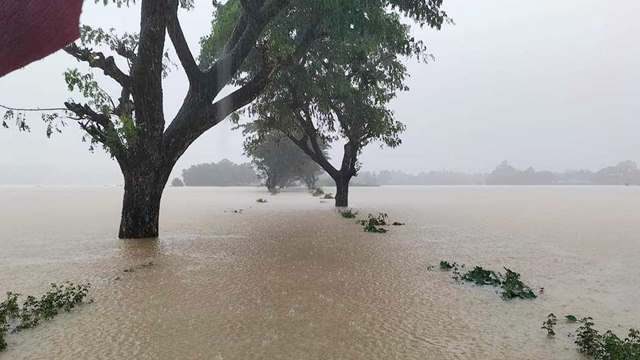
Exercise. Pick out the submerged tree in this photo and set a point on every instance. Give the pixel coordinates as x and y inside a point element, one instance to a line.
<point>131,126</point>
<point>279,161</point>
<point>341,89</point>
<point>222,173</point>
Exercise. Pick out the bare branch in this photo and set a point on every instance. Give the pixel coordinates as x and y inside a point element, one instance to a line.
<point>32,109</point>
<point>180,44</point>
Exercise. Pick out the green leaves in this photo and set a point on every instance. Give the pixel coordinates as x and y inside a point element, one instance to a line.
<point>374,223</point>
<point>348,213</point>
<point>549,324</point>
<point>480,276</point>
<point>512,287</point>
<point>60,297</point>
<point>596,345</point>
<point>510,283</point>
<point>341,85</point>
<point>571,318</point>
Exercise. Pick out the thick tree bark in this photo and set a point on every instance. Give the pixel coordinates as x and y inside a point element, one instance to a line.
<point>141,203</point>
<point>342,191</point>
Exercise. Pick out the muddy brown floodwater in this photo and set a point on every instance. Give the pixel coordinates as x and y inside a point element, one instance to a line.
<point>291,279</point>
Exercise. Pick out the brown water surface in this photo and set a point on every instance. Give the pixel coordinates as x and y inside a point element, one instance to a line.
<point>291,279</point>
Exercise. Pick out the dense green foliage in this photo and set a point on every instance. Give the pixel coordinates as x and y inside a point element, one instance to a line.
<point>607,346</point>
<point>15,317</point>
<point>513,287</point>
<point>374,223</point>
<point>596,345</point>
<point>510,283</point>
<point>341,86</point>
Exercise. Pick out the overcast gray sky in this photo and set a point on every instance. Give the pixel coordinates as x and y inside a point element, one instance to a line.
<point>551,84</point>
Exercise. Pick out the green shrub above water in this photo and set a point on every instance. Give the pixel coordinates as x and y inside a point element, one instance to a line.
<point>373,223</point>
<point>15,317</point>
<point>597,346</point>
<point>480,276</point>
<point>348,213</point>
<point>512,286</point>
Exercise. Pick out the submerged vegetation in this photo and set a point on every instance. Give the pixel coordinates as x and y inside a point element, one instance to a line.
<point>317,192</point>
<point>373,224</point>
<point>549,324</point>
<point>15,317</point>
<point>605,346</point>
<point>510,283</point>
<point>348,214</point>
<point>513,287</point>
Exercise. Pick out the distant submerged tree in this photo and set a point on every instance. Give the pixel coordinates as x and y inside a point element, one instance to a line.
<point>222,173</point>
<point>177,182</point>
<point>341,88</point>
<point>279,161</point>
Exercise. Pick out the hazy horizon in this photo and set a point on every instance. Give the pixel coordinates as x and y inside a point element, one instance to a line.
<point>545,84</point>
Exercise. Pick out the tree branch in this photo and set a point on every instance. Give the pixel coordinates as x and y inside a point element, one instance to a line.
<point>85,112</point>
<point>98,60</point>
<point>184,130</point>
<point>180,44</point>
<point>244,38</point>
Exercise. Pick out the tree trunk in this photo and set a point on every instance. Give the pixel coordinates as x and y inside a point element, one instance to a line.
<point>342,192</point>
<point>141,204</point>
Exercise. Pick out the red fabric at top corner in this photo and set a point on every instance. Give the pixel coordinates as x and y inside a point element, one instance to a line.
<point>33,29</point>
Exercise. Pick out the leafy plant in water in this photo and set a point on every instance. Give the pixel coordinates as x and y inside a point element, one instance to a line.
<point>348,213</point>
<point>373,223</point>
<point>513,287</point>
<point>480,276</point>
<point>378,220</point>
<point>15,318</point>
<point>607,346</point>
<point>588,339</point>
<point>317,192</point>
<point>548,324</point>
<point>571,318</point>
<point>445,265</point>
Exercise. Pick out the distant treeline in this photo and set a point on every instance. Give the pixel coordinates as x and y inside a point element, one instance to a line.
<point>227,173</point>
<point>222,173</point>
<point>624,173</point>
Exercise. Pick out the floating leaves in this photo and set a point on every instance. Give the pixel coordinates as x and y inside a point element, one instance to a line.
<point>15,317</point>
<point>512,286</point>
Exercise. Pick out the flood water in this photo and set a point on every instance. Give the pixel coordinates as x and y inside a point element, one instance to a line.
<point>292,279</point>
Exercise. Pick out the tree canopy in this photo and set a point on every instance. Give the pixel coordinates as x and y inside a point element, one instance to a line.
<point>341,87</point>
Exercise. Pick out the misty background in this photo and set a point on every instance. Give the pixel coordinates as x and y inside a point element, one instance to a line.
<point>548,84</point>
